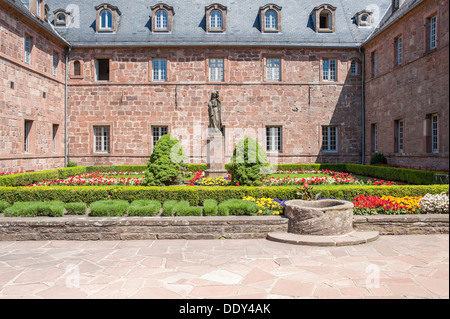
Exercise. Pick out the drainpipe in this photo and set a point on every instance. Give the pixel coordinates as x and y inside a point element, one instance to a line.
<point>363,107</point>
<point>66,97</point>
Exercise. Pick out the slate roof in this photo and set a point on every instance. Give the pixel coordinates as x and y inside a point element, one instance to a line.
<point>242,24</point>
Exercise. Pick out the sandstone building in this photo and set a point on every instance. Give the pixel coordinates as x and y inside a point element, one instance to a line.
<point>333,81</point>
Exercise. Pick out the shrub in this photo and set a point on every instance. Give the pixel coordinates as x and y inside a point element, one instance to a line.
<point>165,166</point>
<point>237,207</point>
<point>144,208</point>
<point>72,164</point>
<point>378,158</point>
<point>34,209</point>
<point>169,208</point>
<point>75,208</point>
<point>3,205</point>
<point>183,208</point>
<point>249,163</point>
<point>210,207</point>
<point>109,208</point>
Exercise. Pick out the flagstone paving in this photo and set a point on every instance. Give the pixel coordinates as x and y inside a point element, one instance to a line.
<point>413,266</point>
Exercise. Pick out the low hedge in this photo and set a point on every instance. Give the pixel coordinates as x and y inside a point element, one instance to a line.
<point>144,208</point>
<point>184,208</point>
<point>104,208</point>
<point>3,205</point>
<point>35,209</point>
<point>197,195</point>
<point>75,208</point>
<point>237,207</point>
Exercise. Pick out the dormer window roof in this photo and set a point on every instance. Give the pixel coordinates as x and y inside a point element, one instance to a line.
<point>363,18</point>
<point>61,17</point>
<point>107,17</point>
<point>161,18</point>
<point>270,17</point>
<point>324,17</point>
<point>216,18</point>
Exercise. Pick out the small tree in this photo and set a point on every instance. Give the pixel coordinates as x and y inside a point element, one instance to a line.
<point>378,158</point>
<point>249,163</point>
<point>166,164</point>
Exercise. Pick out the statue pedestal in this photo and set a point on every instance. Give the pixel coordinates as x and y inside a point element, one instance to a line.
<point>216,156</point>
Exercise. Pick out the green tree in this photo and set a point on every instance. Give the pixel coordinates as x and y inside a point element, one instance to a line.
<point>249,163</point>
<point>166,164</point>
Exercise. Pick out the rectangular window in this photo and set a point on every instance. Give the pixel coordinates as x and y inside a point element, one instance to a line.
<point>354,68</point>
<point>158,132</point>
<point>27,131</point>
<point>433,32</point>
<point>434,134</point>
<point>216,70</point>
<point>399,136</point>
<point>159,67</point>
<point>273,69</point>
<point>27,49</point>
<point>329,138</point>
<point>374,64</point>
<point>273,139</point>
<point>54,134</point>
<point>329,69</point>
<point>38,8</point>
<point>398,51</point>
<point>55,63</point>
<point>102,139</point>
<point>102,70</point>
<point>374,138</point>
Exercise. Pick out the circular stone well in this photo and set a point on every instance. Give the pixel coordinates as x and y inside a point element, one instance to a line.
<point>322,217</point>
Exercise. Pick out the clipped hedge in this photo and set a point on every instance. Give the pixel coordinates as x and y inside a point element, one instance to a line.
<point>197,195</point>
<point>35,209</point>
<point>104,208</point>
<point>144,208</point>
<point>237,207</point>
<point>75,208</point>
<point>3,205</point>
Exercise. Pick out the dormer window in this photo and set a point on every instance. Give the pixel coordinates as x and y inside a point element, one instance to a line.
<point>396,4</point>
<point>216,18</point>
<point>324,16</point>
<point>107,17</point>
<point>39,8</point>
<point>161,18</point>
<point>61,17</point>
<point>363,18</point>
<point>270,18</point>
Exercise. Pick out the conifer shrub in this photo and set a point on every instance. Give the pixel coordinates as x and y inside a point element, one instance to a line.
<point>249,163</point>
<point>166,164</point>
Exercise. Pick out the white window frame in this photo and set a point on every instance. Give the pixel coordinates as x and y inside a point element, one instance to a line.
<point>433,32</point>
<point>273,69</point>
<point>102,139</point>
<point>159,69</point>
<point>329,139</point>
<point>27,49</point>
<point>162,20</point>
<point>216,70</point>
<point>158,132</point>
<point>271,20</point>
<point>434,133</point>
<point>216,20</point>
<point>329,69</point>
<point>274,139</point>
<point>106,20</point>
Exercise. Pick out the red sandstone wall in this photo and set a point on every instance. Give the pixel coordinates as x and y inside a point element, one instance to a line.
<point>411,91</point>
<point>131,104</point>
<point>26,101</point>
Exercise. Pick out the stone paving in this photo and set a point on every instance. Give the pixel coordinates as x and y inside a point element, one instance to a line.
<point>410,266</point>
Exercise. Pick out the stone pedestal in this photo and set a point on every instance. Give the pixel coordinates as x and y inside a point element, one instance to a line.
<point>216,155</point>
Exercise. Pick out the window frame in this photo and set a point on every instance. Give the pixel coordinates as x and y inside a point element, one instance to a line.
<point>114,14</point>
<point>434,125</point>
<point>159,129</point>
<point>354,70</point>
<point>55,67</point>
<point>398,50</point>
<point>28,43</point>
<point>210,69</point>
<point>267,68</point>
<point>374,63</point>
<point>28,128</point>
<point>331,21</point>
<point>162,75</point>
<point>433,32</point>
<point>374,137</point>
<point>276,27</point>
<point>96,69</point>
<point>399,136</point>
<point>276,140</point>
<point>55,131</point>
<point>327,141</point>
<point>105,139</point>
<point>161,20</point>
<point>106,19</point>
<point>328,77</point>
<point>169,12</point>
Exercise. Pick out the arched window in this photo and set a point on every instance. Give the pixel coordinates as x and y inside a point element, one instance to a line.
<point>106,19</point>
<point>325,19</point>
<point>216,19</point>
<point>61,18</point>
<point>271,20</point>
<point>162,20</point>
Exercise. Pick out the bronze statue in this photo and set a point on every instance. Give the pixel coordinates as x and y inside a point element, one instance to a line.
<point>215,111</point>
